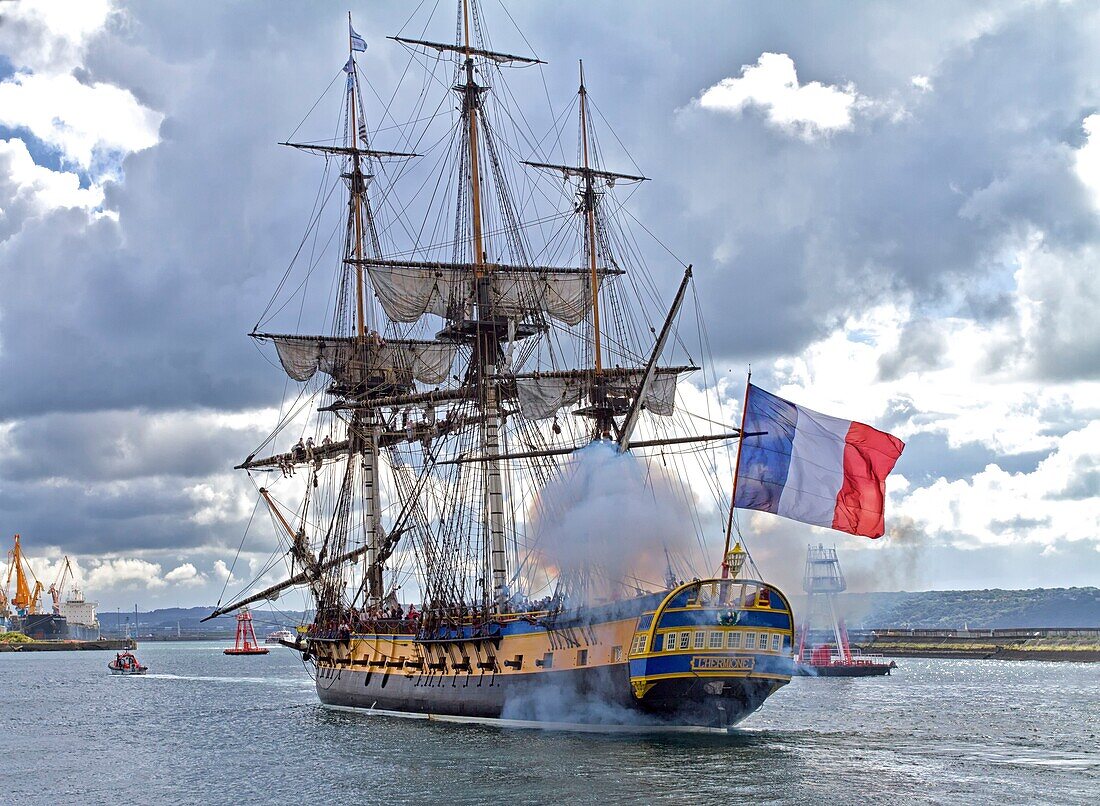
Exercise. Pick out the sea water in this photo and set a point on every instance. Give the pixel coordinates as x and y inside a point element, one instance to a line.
<point>205,728</point>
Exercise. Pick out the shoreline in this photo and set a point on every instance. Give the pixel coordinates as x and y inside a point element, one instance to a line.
<point>102,644</point>
<point>1043,649</point>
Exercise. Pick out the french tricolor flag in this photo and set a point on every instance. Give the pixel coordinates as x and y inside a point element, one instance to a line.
<point>812,467</point>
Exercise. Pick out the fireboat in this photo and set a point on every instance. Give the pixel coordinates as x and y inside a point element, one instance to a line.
<point>823,580</point>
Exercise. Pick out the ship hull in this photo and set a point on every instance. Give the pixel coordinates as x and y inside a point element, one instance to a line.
<point>46,627</point>
<point>704,655</point>
<point>590,697</point>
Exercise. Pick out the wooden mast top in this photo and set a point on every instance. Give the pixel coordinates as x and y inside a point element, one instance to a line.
<point>590,209</point>
<point>356,193</point>
<point>475,178</point>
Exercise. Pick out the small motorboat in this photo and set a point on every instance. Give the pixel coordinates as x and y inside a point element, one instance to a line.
<point>126,663</point>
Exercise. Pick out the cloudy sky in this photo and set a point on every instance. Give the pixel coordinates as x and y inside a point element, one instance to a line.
<point>893,211</point>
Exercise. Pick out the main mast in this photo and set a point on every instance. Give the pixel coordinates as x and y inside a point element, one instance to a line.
<point>486,352</point>
<point>363,431</point>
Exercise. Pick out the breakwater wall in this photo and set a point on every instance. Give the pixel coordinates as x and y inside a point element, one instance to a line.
<point>1076,644</point>
<point>114,644</point>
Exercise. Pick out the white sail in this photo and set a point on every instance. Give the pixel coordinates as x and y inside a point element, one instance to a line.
<point>409,290</point>
<point>542,396</point>
<point>346,360</point>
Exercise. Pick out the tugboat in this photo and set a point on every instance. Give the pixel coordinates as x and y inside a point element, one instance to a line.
<point>126,663</point>
<point>246,637</point>
<point>824,580</point>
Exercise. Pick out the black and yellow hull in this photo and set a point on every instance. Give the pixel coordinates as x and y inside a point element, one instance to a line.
<point>615,665</point>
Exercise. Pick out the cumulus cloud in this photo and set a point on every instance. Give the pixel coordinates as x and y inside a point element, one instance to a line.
<point>1087,158</point>
<point>125,574</point>
<point>809,110</point>
<point>185,575</point>
<point>51,34</point>
<point>82,121</point>
<point>922,83</point>
<point>222,572</point>
<point>28,190</point>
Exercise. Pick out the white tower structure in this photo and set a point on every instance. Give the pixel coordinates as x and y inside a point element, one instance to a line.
<point>823,580</point>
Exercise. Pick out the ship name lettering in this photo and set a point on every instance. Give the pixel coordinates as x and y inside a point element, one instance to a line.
<point>705,663</point>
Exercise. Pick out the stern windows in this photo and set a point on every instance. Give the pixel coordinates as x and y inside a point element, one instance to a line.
<point>638,647</point>
<point>685,639</point>
<point>733,640</point>
<point>670,642</point>
<point>775,642</point>
<point>715,640</point>
<point>700,637</point>
<point>750,640</point>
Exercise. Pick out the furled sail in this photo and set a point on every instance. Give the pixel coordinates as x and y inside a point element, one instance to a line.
<point>543,395</point>
<point>350,361</point>
<point>408,290</point>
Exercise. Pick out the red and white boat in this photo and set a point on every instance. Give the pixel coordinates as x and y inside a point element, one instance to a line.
<point>126,663</point>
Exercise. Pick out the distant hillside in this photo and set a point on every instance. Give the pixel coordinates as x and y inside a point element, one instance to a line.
<point>188,620</point>
<point>1038,607</point>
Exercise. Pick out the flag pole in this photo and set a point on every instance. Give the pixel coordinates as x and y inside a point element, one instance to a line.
<point>736,470</point>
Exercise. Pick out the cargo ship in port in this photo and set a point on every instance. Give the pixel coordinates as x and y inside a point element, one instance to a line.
<point>488,482</point>
<point>70,617</point>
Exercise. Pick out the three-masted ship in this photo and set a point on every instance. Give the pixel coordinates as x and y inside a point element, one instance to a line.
<point>492,356</point>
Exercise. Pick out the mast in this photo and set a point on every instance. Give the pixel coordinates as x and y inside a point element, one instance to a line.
<point>356,182</point>
<point>363,429</point>
<point>590,213</point>
<point>733,494</point>
<point>601,410</point>
<point>485,354</point>
<point>604,420</point>
<point>471,93</point>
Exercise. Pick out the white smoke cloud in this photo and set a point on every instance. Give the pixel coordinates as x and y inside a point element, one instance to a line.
<point>610,516</point>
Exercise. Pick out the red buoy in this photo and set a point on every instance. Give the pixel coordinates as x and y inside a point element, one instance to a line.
<point>246,637</point>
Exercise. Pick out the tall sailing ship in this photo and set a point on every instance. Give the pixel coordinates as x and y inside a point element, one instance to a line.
<point>486,481</point>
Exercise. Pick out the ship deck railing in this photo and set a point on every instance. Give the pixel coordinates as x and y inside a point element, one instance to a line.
<point>412,627</point>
